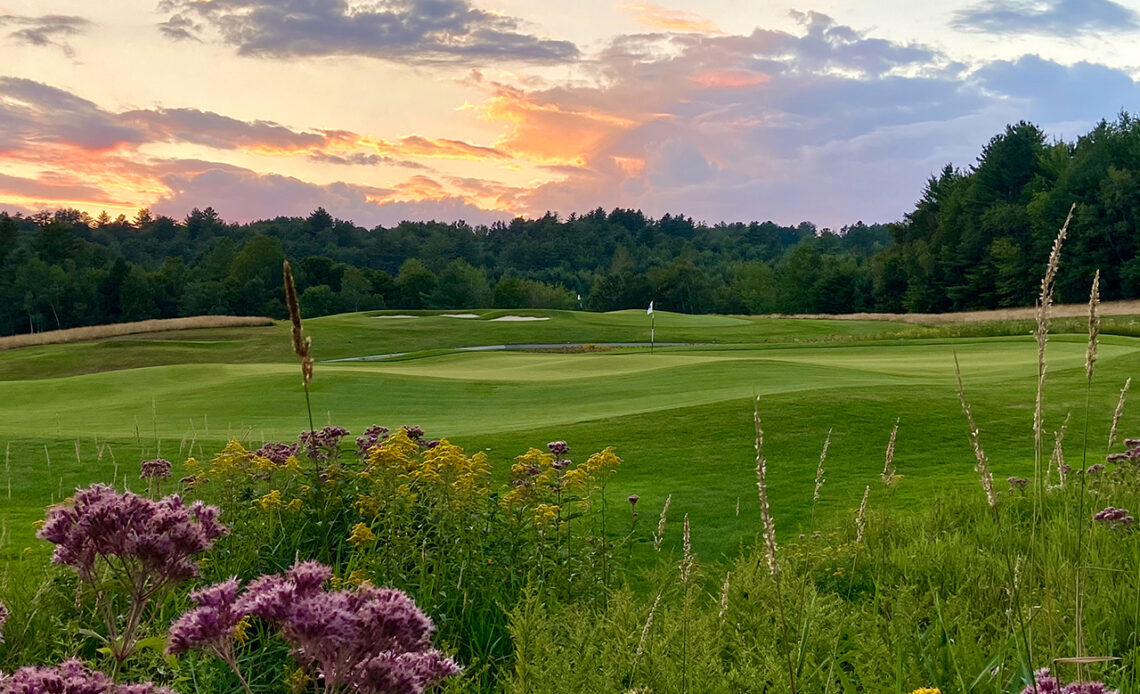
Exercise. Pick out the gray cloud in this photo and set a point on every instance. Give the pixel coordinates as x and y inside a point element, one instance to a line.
<point>46,30</point>
<point>406,30</point>
<point>34,114</point>
<point>1057,17</point>
<point>214,130</point>
<point>365,159</point>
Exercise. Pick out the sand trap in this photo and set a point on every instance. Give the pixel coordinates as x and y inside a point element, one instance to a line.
<point>521,318</point>
<point>398,315</point>
<point>460,315</point>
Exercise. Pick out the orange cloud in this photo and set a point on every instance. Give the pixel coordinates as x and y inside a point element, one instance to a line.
<point>657,17</point>
<point>550,133</point>
<point>730,79</point>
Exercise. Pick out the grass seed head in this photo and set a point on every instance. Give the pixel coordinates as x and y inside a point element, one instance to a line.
<point>1094,326</point>
<point>1117,412</point>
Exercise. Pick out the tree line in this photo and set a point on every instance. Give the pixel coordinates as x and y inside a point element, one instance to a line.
<point>976,239</point>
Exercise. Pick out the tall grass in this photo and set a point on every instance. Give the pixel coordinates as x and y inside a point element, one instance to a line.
<point>155,325</point>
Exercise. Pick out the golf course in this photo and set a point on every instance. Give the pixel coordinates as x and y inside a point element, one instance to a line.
<point>680,417</point>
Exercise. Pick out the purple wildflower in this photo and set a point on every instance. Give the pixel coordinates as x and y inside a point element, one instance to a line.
<point>160,537</point>
<point>558,448</point>
<point>1018,483</point>
<point>561,463</point>
<point>277,452</point>
<point>1114,517</point>
<point>322,445</point>
<point>372,436</point>
<point>157,469</point>
<point>414,433</point>
<point>373,640</point>
<point>72,677</point>
<point>633,499</point>
<point>1047,684</point>
<point>211,624</point>
<point>145,545</point>
<point>430,444</point>
<point>1094,469</point>
<point>1131,453</point>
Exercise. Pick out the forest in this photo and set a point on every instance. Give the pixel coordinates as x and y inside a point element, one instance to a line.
<point>976,239</point>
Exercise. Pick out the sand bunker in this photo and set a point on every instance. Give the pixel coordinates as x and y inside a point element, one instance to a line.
<point>460,315</point>
<point>521,318</point>
<point>397,315</point>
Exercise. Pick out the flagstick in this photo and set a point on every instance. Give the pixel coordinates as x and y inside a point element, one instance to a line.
<point>652,331</point>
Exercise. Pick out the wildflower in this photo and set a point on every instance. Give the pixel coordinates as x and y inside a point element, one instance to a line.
<point>276,452</point>
<point>1114,517</point>
<point>161,537</point>
<point>558,448</point>
<point>372,436</point>
<point>576,479</point>
<point>1044,683</point>
<point>927,690</point>
<point>145,546</point>
<point>414,433</point>
<point>1094,469</point>
<point>71,677</point>
<point>546,514</point>
<point>212,624</point>
<point>294,505</point>
<point>374,640</point>
<point>633,499</point>
<point>1017,483</point>
<point>322,444</point>
<point>1132,452</point>
<point>271,500</point>
<point>157,469</point>
<point>604,460</point>
<point>361,535</point>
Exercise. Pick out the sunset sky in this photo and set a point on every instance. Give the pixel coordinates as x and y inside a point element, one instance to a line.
<point>383,110</point>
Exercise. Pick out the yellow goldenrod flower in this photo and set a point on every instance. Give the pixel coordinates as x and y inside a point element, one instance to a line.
<point>605,459</point>
<point>294,505</point>
<point>546,515</point>
<point>269,501</point>
<point>361,535</point>
<point>241,630</point>
<point>927,690</point>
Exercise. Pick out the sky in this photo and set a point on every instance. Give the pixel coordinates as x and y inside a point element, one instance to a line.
<point>833,112</point>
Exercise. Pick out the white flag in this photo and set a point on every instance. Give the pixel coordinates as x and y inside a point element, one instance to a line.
<point>579,297</point>
<point>650,311</point>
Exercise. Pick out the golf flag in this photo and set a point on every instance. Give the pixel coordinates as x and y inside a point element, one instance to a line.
<point>650,311</point>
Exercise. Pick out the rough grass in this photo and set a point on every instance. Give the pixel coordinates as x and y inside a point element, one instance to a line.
<point>100,332</point>
<point>1108,308</point>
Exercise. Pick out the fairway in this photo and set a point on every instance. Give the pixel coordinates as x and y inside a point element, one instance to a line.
<point>681,418</point>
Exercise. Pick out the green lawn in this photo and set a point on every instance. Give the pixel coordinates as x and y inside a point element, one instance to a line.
<point>681,418</point>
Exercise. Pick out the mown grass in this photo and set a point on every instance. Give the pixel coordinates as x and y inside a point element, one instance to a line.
<point>679,418</point>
